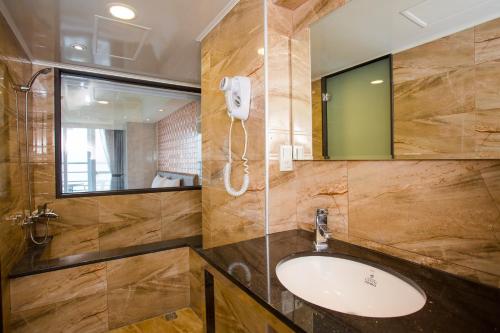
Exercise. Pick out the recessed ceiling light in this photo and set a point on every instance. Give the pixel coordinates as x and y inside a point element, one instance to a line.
<point>161,110</point>
<point>79,47</point>
<point>103,102</point>
<point>260,51</point>
<point>122,11</point>
<point>377,81</point>
<point>147,119</point>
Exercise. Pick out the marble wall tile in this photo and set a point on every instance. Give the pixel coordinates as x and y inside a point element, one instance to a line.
<point>227,54</point>
<point>14,68</point>
<point>197,266</point>
<point>129,220</point>
<point>301,91</point>
<point>487,41</point>
<point>322,185</point>
<point>400,210</point>
<point>317,120</point>
<point>282,199</point>
<point>446,99</point>
<point>35,291</point>
<point>147,286</point>
<point>69,300</point>
<point>82,299</point>
<point>290,4</point>
<point>180,214</point>
<point>435,115</point>
<point>440,56</point>
<point>230,219</point>
<point>85,314</point>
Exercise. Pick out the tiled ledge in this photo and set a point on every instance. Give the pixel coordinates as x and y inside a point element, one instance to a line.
<point>31,263</point>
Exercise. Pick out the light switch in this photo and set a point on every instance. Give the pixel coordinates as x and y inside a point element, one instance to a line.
<point>298,152</point>
<point>286,158</point>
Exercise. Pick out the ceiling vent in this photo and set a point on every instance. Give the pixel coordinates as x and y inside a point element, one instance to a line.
<point>118,39</point>
<point>430,12</point>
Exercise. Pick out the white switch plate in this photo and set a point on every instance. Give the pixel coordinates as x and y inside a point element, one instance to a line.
<point>286,158</point>
<point>298,152</point>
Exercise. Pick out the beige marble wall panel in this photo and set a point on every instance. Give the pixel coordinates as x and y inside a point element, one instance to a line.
<point>82,299</point>
<point>142,163</point>
<point>130,220</point>
<point>231,49</point>
<point>86,314</point>
<point>487,41</point>
<point>229,219</point>
<point>290,4</point>
<point>282,199</point>
<point>69,300</point>
<point>301,91</point>
<point>14,69</point>
<point>446,97</point>
<point>34,291</point>
<point>197,266</point>
<point>147,286</point>
<point>440,209</point>
<point>435,115</point>
<point>322,185</point>
<point>317,120</point>
<point>279,73</point>
<point>440,56</point>
<point>180,214</point>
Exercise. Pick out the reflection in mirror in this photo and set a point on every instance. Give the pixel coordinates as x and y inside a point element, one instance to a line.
<point>357,112</point>
<point>445,81</point>
<point>117,136</point>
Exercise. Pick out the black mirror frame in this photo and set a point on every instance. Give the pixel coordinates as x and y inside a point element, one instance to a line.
<point>57,132</point>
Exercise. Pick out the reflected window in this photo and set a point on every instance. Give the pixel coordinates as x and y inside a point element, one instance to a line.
<point>119,136</point>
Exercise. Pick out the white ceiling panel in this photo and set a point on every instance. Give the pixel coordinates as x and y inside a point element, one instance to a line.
<point>159,42</point>
<point>363,30</point>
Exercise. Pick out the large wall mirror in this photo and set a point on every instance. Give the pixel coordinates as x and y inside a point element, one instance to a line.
<point>116,136</point>
<point>412,80</point>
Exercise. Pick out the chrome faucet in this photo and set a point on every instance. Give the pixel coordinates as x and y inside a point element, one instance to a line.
<point>43,213</point>
<point>322,235</point>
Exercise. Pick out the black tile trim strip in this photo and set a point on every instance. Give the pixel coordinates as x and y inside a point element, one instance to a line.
<point>209,303</point>
<point>30,264</point>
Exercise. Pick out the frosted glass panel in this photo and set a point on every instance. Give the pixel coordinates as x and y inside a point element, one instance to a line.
<point>359,113</point>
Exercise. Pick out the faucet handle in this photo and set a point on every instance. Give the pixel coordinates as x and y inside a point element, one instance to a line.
<point>321,211</point>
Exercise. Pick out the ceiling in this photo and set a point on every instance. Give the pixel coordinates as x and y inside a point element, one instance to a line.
<point>82,97</point>
<point>363,30</point>
<point>159,42</point>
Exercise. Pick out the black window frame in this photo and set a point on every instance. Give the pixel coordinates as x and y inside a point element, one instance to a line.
<point>58,72</point>
<point>324,116</point>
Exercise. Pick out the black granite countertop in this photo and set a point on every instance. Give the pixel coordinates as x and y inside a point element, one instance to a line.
<point>33,262</point>
<point>453,304</point>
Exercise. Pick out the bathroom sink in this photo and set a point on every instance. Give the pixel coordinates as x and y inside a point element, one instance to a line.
<point>346,285</point>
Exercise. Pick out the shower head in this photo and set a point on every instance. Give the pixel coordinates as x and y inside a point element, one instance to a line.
<point>27,87</point>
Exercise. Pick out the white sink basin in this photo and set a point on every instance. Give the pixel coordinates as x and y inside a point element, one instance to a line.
<point>350,286</point>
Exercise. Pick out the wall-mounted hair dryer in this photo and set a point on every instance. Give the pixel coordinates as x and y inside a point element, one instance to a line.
<point>237,91</point>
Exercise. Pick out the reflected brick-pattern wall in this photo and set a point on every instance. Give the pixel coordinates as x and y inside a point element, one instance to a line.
<point>179,140</point>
